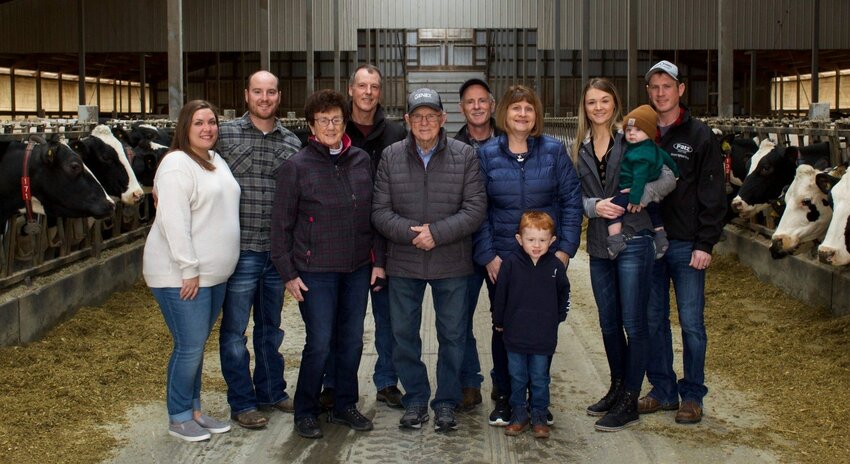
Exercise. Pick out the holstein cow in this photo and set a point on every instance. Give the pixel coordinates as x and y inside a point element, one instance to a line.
<point>807,211</point>
<point>737,152</point>
<point>57,178</point>
<point>104,155</point>
<point>771,169</point>
<point>835,248</point>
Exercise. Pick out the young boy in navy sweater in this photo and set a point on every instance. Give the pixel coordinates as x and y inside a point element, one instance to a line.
<point>532,297</point>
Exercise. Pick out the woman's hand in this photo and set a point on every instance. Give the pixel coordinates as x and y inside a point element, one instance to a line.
<point>190,287</point>
<point>565,258</point>
<point>493,268</point>
<point>295,287</point>
<point>377,273</point>
<point>607,210</point>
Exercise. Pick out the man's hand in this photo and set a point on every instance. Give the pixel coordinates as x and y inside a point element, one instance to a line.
<point>295,287</point>
<point>423,241</point>
<point>700,260</point>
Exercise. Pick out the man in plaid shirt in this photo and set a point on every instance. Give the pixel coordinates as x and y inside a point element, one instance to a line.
<point>254,146</point>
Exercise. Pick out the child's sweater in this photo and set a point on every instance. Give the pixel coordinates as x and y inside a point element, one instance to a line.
<point>641,164</point>
<point>530,301</point>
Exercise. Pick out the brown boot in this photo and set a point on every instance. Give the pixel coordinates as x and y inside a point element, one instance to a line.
<point>471,398</point>
<point>649,405</point>
<point>689,413</point>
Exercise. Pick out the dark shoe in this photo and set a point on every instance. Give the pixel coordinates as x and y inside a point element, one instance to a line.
<point>501,415</point>
<point>540,431</point>
<point>252,419</point>
<point>515,428</point>
<point>550,419</point>
<point>414,417</point>
<point>621,415</point>
<point>390,395</point>
<point>284,405</point>
<point>616,243</point>
<point>607,402</point>
<point>689,413</point>
<point>649,405</point>
<point>326,399</point>
<point>471,398</point>
<point>308,427</point>
<point>444,419</point>
<point>352,418</point>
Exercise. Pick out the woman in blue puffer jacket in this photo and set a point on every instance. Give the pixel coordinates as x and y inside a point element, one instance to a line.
<point>522,170</point>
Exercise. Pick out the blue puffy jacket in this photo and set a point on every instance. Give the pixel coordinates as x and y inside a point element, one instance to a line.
<point>545,181</point>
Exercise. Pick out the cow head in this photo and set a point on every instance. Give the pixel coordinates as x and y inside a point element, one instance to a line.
<point>806,216</point>
<point>835,249</point>
<point>60,180</point>
<point>770,171</point>
<point>105,156</point>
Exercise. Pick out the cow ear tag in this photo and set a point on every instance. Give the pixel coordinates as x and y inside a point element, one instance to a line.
<point>32,228</point>
<point>50,155</point>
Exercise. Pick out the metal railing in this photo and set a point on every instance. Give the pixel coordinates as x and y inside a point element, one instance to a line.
<point>563,129</point>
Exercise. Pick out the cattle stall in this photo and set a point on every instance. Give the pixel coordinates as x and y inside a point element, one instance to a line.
<point>784,250</point>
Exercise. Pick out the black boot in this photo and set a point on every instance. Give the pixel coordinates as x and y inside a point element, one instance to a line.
<point>622,415</point>
<point>608,401</point>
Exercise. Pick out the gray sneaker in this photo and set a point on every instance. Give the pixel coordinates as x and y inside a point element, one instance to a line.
<point>414,417</point>
<point>212,425</point>
<point>188,431</point>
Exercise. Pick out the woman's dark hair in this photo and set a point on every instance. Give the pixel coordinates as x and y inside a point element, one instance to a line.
<point>519,93</point>
<point>322,101</point>
<point>181,132</point>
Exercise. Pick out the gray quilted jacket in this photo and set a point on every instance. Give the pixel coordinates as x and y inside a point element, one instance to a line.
<point>448,195</point>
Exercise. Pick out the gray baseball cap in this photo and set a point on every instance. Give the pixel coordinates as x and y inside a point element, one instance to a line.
<point>424,97</point>
<point>666,67</point>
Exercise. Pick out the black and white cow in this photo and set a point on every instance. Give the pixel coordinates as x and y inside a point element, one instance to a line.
<point>143,150</point>
<point>58,178</point>
<point>105,156</point>
<point>807,211</point>
<point>771,169</point>
<point>835,249</point>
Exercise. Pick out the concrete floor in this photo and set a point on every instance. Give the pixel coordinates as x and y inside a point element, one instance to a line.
<point>579,377</point>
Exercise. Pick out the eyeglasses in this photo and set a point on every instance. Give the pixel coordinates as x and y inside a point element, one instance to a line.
<point>325,122</point>
<point>417,118</point>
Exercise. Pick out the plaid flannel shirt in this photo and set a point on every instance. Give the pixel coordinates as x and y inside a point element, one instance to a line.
<point>254,159</point>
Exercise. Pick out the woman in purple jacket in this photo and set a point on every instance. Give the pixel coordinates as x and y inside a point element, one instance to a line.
<point>322,244</point>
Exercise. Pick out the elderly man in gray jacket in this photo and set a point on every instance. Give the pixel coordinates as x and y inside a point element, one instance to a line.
<point>428,201</point>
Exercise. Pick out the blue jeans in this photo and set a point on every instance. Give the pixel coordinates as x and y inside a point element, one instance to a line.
<point>470,368</point>
<point>190,323</point>
<point>255,283</point>
<point>621,288</point>
<point>529,375</point>
<point>406,315</point>
<point>334,308</point>
<point>689,285</point>
<point>385,375</point>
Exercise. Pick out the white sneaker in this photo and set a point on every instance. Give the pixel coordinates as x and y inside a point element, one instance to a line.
<point>212,425</point>
<point>188,431</point>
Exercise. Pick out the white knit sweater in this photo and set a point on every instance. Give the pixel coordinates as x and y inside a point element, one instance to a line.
<point>196,229</point>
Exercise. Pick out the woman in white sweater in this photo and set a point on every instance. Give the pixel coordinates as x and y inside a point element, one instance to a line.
<point>190,252</point>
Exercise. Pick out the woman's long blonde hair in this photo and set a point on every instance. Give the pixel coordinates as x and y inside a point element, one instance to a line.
<point>584,124</point>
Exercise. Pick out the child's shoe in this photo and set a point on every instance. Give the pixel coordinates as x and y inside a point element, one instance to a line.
<point>661,243</point>
<point>616,243</point>
<point>540,430</point>
<point>516,428</point>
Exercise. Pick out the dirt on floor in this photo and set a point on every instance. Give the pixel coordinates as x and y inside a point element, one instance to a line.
<point>58,392</point>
